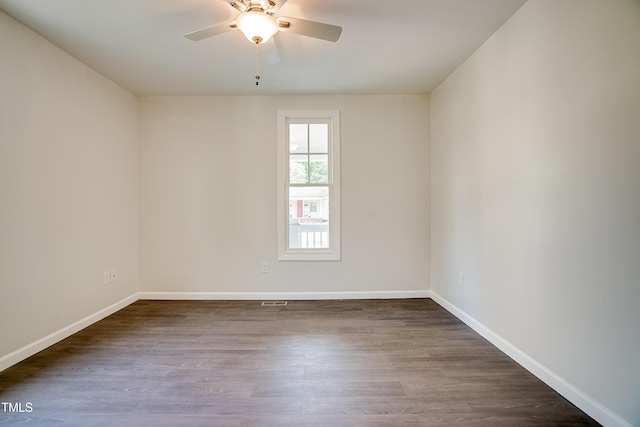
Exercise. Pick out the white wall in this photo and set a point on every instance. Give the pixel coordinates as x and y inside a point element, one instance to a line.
<point>68,188</point>
<point>536,193</point>
<point>208,195</point>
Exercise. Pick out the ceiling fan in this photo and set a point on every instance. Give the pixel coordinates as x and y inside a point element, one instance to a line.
<point>258,23</point>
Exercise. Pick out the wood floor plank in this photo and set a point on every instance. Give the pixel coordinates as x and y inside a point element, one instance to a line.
<point>310,363</point>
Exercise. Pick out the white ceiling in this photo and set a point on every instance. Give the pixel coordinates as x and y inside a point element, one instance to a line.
<point>387,47</point>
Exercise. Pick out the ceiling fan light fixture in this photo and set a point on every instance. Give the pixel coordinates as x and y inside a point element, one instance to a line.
<point>257,27</point>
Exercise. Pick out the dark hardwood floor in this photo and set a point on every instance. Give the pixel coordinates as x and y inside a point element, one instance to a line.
<point>310,363</point>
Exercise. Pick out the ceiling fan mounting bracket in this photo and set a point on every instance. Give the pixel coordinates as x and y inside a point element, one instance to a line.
<point>240,7</point>
<point>263,6</point>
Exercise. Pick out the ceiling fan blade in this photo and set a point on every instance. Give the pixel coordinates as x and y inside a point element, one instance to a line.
<point>313,29</point>
<point>210,31</point>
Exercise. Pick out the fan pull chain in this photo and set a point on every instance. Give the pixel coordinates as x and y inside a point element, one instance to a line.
<point>257,64</point>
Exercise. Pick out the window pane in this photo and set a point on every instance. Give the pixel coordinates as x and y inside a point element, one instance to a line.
<point>298,138</point>
<point>319,135</point>
<point>308,217</point>
<point>298,169</point>
<point>319,169</point>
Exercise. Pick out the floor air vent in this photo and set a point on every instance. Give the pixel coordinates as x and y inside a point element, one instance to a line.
<point>273,303</point>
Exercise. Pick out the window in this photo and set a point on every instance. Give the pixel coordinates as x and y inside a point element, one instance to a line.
<point>309,185</point>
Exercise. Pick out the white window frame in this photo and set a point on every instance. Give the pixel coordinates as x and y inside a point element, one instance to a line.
<point>332,253</point>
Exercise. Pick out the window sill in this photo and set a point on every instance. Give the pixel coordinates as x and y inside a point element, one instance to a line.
<point>309,256</point>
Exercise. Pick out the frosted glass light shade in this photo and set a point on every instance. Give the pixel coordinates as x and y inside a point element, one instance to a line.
<point>257,27</point>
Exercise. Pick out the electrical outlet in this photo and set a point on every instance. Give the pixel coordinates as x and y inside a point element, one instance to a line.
<point>265,267</point>
<point>114,274</point>
<point>106,277</point>
<point>461,279</point>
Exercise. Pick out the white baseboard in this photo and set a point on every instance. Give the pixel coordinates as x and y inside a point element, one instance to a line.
<point>269,296</point>
<point>39,345</point>
<point>593,408</point>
